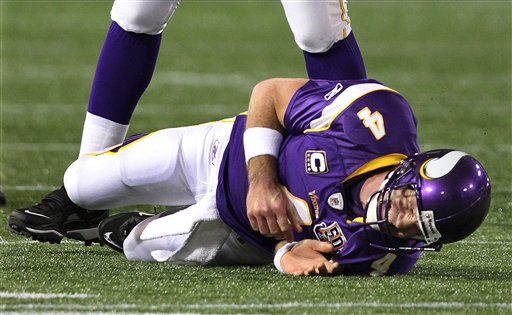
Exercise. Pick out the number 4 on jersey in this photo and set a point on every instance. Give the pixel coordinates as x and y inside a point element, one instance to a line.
<point>373,121</point>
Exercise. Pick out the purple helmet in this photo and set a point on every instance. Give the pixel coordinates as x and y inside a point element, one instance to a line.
<point>453,194</point>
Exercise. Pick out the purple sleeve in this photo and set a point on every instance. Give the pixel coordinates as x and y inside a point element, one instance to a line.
<point>306,104</point>
<point>359,258</point>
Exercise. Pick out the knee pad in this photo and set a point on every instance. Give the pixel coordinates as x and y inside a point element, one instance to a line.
<point>111,179</point>
<point>143,17</point>
<point>148,162</point>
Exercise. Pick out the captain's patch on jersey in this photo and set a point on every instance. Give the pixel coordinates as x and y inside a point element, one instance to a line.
<point>332,234</point>
<point>316,162</point>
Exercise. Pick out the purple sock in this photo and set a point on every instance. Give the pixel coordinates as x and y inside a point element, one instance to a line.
<point>343,61</point>
<point>123,72</point>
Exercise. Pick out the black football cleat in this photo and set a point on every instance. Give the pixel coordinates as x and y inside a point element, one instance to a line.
<point>55,217</point>
<point>114,230</point>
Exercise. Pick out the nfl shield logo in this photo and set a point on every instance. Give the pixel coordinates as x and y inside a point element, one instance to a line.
<point>336,201</point>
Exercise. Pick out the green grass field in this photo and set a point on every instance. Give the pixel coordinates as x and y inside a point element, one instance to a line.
<point>450,59</point>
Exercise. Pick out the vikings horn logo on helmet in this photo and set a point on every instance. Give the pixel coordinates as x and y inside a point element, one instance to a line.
<point>439,167</point>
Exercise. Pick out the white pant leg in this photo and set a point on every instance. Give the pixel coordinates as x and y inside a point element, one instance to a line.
<point>317,25</point>
<point>143,16</point>
<point>136,249</point>
<point>193,236</point>
<point>174,166</point>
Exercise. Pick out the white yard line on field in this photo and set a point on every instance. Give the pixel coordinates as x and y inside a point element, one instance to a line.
<point>39,109</point>
<point>37,296</point>
<point>92,313</point>
<point>45,188</point>
<point>38,146</point>
<point>78,308</point>
<point>221,80</point>
<point>28,241</point>
<point>168,78</point>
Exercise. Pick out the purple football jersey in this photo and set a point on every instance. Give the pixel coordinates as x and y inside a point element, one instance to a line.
<point>337,131</point>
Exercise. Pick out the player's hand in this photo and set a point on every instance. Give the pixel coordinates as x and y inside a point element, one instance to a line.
<point>270,211</point>
<point>268,208</point>
<point>307,259</point>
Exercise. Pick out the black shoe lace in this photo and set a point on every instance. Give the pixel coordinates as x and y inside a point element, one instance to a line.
<point>52,203</point>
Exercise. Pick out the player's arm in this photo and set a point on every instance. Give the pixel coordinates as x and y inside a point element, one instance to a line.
<point>305,258</point>
<point>268,208</point>
<point>269,100</point>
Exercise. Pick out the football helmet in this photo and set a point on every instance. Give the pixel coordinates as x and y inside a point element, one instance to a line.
<point>453,194</point>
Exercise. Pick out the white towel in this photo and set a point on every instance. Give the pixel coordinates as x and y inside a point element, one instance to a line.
<point>201,222</point>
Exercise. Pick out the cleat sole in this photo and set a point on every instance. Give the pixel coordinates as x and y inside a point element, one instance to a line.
<point>52,235</point>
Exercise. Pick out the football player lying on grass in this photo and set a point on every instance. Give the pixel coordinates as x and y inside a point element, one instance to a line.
<point>320,176</point>
<point>356,193</point>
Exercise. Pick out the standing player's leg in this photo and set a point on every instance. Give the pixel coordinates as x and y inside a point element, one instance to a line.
<point>124,69</point>
<point>123,72</point>
<point>323,31</point>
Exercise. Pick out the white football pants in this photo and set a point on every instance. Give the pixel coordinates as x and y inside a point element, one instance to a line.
<point>316,25</point>
<point>176,166</point>
<point>143,16</point>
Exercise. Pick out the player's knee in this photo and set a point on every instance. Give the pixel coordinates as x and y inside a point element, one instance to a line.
<point>147,17</point>
<point>315,44</point>
<point>72,183</point>
<point>84,188</point>
<point>317,25</point>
